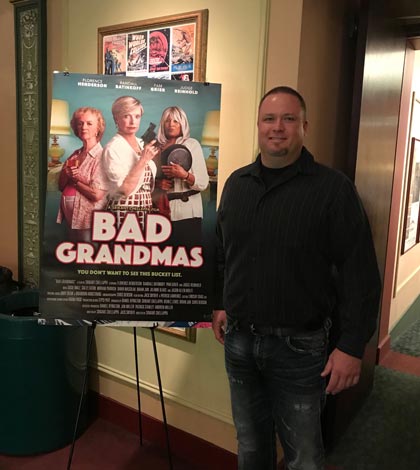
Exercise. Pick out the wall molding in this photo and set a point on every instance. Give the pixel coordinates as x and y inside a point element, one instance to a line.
<point>193,449</point>
<point>153,389</point>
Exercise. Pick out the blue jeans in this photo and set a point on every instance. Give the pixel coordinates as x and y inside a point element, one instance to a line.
<point>275,385</point>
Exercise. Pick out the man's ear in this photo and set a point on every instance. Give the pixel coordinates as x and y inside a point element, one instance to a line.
<point>305,128</point>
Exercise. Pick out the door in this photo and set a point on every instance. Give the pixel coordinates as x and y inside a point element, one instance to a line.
<point>373,137</point>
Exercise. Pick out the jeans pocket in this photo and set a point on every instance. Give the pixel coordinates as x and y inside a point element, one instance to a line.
<point>230,325</point>
<point>313,343</point>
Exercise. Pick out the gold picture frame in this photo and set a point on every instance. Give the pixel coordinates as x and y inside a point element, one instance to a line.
<point>135,48</point>
<point>189,334</point>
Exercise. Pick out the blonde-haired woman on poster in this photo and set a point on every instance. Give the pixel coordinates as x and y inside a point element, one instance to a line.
<point>81,182</point>
<point>185,176</point>
<point>128,163</point>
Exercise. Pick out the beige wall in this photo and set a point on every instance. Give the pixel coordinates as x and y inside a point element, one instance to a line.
<point>283,43</point>
<point>407,277</point>
<point>8,173</point>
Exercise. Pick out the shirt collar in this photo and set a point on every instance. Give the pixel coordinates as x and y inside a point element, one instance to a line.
<point>305,164</point>
<point>96,151</point>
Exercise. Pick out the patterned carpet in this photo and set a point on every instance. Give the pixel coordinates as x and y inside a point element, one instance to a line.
<point>385,435</point>
<point>409,341</point>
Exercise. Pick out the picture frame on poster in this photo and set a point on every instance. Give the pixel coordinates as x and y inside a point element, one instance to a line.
<point>171,47</point>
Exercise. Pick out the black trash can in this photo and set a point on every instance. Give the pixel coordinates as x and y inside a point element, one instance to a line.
<point>41,378</point>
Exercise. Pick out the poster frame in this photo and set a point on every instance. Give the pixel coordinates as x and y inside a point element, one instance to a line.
<point>413,179</point>
<point>188,334</point>
<point>199,18</point>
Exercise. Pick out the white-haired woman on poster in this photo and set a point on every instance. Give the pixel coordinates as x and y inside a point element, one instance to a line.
<point>128,163</point>
<point>184,176</point>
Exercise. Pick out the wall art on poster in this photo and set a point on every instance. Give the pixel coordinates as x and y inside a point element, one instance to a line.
<point>115,53</point>
<point>130,211</point>
<point>137,54</point>
<point>183,48</point>
<point>159,50</point>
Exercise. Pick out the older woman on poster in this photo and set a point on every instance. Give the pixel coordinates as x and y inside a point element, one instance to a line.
<point>81,181</point>
<point>184,178</point>
<point>128,163</point>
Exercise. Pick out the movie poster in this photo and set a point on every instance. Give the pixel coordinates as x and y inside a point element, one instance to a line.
<point>141,253</point>
<point>115,52</point>
<point>159,50</point>
<point>166,53</point>
<point>137,54</point>
<point>183,48</point>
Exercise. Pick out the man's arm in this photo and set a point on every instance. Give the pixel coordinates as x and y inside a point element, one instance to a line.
<point>358,287</point>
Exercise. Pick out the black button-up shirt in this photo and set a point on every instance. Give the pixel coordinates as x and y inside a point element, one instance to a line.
<point>298,251</point>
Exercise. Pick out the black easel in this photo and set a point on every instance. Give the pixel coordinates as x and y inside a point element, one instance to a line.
<point>82,396</point>
<point>162,401</point>
<point>138,385</point>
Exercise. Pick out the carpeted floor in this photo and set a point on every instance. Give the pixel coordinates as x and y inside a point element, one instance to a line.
<point>103,446</point>
<point>385,435</point>
<point>409,341</point>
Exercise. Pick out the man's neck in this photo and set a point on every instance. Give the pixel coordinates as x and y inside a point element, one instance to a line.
<point>279,161</point>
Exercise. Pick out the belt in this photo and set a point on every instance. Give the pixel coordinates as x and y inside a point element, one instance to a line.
<point>184,196</point>
<point>263,330</point>
<point>275,331</point>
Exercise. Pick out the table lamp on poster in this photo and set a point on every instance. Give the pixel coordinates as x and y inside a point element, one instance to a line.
<point>210,138</point>
<point>60,125</point>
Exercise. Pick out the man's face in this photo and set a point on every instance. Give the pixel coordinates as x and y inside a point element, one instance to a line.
<point>281,129</point>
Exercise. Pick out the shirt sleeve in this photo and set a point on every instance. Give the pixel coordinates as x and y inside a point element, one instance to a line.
<point>198,166</point>
<point>220,255</point>
<point>115,165</point>
<point>355,269</point>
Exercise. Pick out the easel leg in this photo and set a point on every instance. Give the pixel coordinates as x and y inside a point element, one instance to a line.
<point>85,379</point>
<point>138,385</point>
<point>152,330</point>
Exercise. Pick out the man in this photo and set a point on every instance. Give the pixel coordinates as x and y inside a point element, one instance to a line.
<point>294,250</point>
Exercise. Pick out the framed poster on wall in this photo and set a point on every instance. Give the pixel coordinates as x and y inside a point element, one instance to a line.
<point>411,215</point>
<point>171,47</point>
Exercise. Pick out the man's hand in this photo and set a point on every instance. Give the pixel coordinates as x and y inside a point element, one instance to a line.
<point>344,371</point>
<point>219,325</point>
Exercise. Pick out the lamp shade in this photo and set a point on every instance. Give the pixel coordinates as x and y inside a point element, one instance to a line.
<point>210,136</point>
<point>60,122</point>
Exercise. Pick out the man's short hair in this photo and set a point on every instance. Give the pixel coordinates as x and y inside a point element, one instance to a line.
<point>288,91</point>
